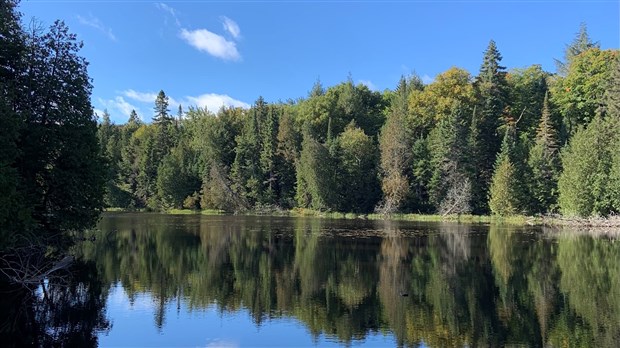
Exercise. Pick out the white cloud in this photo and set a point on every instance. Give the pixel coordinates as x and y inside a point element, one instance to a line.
<point>213,102</point>
<point>231,27</point>
<point>171,11</point>
<point>119,104</point>
<point>213,44</point>
<point>368,84</point>
<point>427,79</point>
<point>94,22</point>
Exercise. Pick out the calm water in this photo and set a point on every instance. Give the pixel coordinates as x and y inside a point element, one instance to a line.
<point>224,281</point>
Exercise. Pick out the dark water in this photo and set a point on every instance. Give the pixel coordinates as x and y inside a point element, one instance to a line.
<point>157,280</point>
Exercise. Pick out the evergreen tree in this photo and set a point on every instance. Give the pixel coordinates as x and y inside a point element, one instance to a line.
<point>502,193</point>
<point>583,185</point>
<point>268,156</point>
<point>315,186</point>
<point>450,187</point>
<point>580,44</point>
<point>162,114</point>
<point>246,169</point>
<point>491,88</point>
<point>13,213</point>
<point>288,147</point>
<point>544,164</point>
<point>175,178</point>
<point>60,156</point>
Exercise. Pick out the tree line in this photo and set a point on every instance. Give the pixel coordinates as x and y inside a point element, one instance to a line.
<point>523,141</point>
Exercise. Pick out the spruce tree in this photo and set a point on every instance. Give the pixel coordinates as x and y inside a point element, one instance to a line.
<point>544,164</point>
<point>580,44</point>
<point>502,192</point>
<point>491,88</point>
<point>161,113</point>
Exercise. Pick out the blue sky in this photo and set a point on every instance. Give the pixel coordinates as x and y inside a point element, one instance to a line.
<point>209,53</point>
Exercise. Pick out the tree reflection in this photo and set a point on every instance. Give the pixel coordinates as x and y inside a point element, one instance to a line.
<point>61,312</point>
<point>429,284</point>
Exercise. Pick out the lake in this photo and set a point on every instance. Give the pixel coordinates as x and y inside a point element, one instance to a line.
<point>243,281</point>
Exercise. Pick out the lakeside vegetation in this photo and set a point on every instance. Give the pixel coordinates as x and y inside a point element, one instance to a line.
<point>507,143</point>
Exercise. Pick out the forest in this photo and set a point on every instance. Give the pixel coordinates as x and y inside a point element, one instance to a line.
<point>505,142</point>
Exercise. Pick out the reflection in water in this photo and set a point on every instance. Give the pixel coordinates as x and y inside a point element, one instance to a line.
<point>67,312</point>
<point>427,284</point>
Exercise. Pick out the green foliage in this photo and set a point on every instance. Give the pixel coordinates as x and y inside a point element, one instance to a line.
<point>491,90</point>
<point>587,160</point>
<point>60,161</point>
<point>501,200</point>
<point>544,164</point>
<point>359,185</point>
<point>526,91</point>
<point>580,44</point>
<point>580,94</point>
<point>449,186</point>
<point>394,147</point>
<point>430,105</point>
<point>175,181</point>
<point>342,103</point>
<point>315,180</point>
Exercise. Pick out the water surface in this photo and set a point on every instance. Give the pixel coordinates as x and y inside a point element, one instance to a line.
<point>230,281</point>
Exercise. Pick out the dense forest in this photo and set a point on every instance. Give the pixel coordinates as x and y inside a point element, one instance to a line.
<point>522,141</point>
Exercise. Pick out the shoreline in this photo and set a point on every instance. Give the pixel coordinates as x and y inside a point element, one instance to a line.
<point>612,222</point>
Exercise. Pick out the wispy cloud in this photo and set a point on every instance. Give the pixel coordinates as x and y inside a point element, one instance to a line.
<point>118,104</point>
<point>171,11</point>
<point>213,44</point>
<point>145,97</point>
<point>231,27</point>
<point>368,84</point>
<point>213,102</point>
<point>94,22</point>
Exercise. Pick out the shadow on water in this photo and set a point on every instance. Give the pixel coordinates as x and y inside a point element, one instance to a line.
<point>432,284</point>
